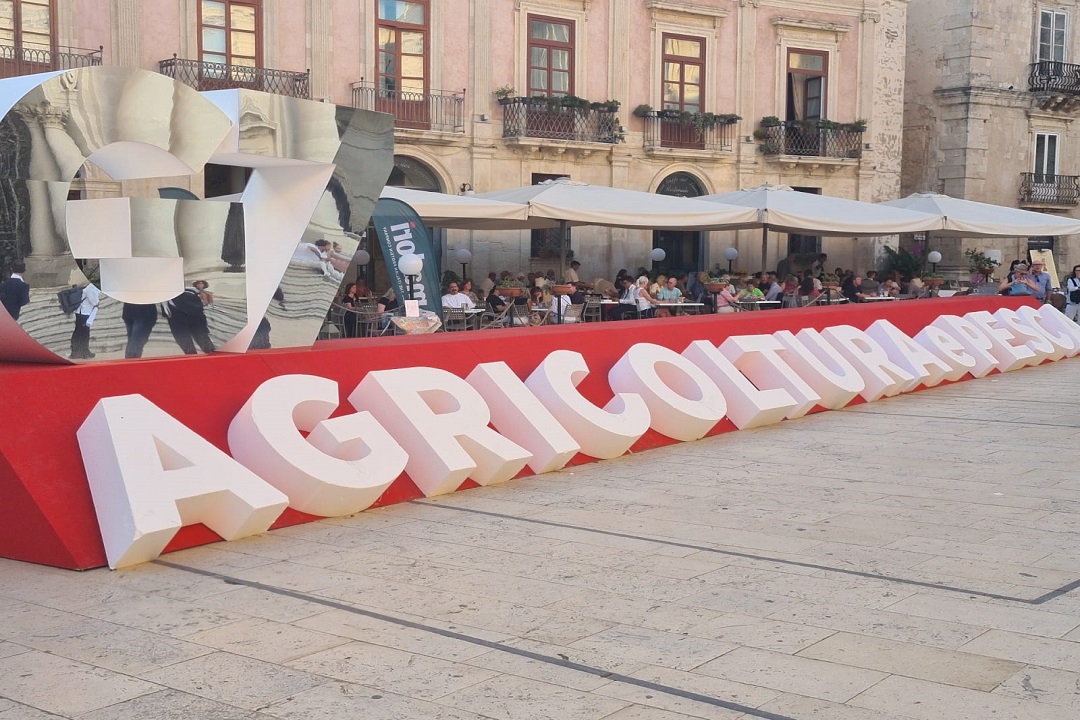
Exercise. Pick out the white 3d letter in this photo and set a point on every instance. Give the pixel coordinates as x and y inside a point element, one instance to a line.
<point>825,370</point>
<point>1061,331</point>
<point>973,340</point>
<point>1033,338</point>
<point>343,465</point>
<point>150,475</point>
<point>1010,357</point>
<point>442,423</point>
<point>602,433</point>
<point>758,358</point>
<point>927,368</point>
<point>882,377</point>
<point>683,402</point>
<point>948,349</point>
<point>748,406</point>
<point>517,414</point>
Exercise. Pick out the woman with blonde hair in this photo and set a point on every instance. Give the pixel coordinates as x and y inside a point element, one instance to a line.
<point>645,298</point>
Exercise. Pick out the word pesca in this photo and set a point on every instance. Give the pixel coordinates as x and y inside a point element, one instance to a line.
<point>150,475</point>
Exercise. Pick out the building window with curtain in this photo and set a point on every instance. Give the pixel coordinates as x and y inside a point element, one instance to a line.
<point>26,26</point>
<point>551,57</point>
<point>229,35</point>
<point>402,41</point>
<point>807,78</point>
<point>684,73</point>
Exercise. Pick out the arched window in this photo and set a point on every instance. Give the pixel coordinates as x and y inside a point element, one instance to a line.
<point>414,174</point>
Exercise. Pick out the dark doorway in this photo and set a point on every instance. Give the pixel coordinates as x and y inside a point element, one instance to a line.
<point>684,249</point>
<point>547,242</point>
<point>804,244</point>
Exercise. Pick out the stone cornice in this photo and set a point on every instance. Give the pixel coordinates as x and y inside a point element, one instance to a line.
<point>814,25</point>
<point>685,8</point>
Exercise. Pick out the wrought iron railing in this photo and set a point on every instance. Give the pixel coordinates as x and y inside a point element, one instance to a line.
<point>435,110</point>
<point>1044,189</point>
<point>1055,77</point>
<point>811,139</point>
<point>677,132</point>
<point>17,61</point>
<point>219,76</point>
<point>545,118</point>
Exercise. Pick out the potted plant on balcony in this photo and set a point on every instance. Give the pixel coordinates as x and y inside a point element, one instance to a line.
<point>727,118</point>
<point>643,110</point>
<point>504,95</point>
<point>858,126</point>
<point>606,106</point>
<point>770,121</point>
<point>762,133</point>
<point>769,147</point>
<point>823,124</point>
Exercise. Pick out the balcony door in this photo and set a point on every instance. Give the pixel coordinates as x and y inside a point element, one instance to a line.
<point>807,78</point>
<point>551,74</point>
<point>402,64</point>
<point>684,89</point>
<point>27,37</point>
<point>229,45</point>
<point>1052,36</point>
<point>1044,173</point>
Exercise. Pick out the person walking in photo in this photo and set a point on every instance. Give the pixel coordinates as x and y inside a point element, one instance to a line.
<point>85,315</point>
<point>15,292</point>
<point>139,320</point>
<point>187,322</point>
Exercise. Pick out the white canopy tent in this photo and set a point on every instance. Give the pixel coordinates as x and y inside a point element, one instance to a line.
<point>783,209</point>
<point>462,212</point>
<point>967,218</point>
<point>576,203</point>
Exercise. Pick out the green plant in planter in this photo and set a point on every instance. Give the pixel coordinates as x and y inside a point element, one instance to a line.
<point>828,125</point>
<point>904,261</point>
<point>449,276</point>
<point>606,106</point>
<point>829,279</point>
<point>769,147</point>
<point>857,126</point>
<point>762,134</point>
<point>981,262</point>
<point>728,118</point>
<point>503,92</point>
<point>643,110</point>
<point>770,121</point>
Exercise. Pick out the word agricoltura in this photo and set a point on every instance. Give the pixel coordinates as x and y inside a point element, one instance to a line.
<point>150,475</point>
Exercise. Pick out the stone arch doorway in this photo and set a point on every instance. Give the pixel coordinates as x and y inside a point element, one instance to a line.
<point>685,249</point>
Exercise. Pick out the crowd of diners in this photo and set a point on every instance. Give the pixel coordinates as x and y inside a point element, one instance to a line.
<point>636,295</point>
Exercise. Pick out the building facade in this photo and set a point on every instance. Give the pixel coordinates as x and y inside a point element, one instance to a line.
<point>992,93</point>
<point>685,97</point>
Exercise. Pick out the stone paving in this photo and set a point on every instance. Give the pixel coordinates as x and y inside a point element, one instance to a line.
<point>914,558</point>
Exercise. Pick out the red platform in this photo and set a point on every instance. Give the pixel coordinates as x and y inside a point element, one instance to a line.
<point>47,516</point>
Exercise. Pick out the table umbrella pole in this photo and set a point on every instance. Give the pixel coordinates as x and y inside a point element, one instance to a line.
<point>563,229</point>
<point>764,248</point>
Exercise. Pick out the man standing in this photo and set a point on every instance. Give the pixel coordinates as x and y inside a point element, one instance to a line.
<point>139,320</point>
<point>15,292</point>
<point>456,299</point>
<point>187,322</point>
<point>488,283</point>
<point>572,274</point>
<point>85,315</point>
<point>1042,279</point>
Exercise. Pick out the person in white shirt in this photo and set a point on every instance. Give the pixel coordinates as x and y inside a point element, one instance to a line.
<point>454,298</point>
<point>85,315</point>
<point>1072,295</point>
<point>572,274</point>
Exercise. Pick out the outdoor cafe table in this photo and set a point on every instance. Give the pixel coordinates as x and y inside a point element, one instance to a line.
<point>756,304</point>
<point>877,298</point>
<point>676,305</point>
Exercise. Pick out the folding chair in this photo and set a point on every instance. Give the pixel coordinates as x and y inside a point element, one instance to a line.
<point>491,320</point>
<point>519,316</point>
<point>591,310</point>
<point>333,326</point>
<point>455,319</point>
<point>572,314</point>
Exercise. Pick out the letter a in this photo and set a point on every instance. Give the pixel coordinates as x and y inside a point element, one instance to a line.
<point>150,475</point>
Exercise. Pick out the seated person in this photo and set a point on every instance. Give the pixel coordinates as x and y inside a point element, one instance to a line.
<point>494,302</point>
<point>808,286</point>
<point>627,306</point>
<point>670,291</point>
<point>559,306</point>
<point>1020,283</point>
<point>775,290</point>
<point>851,289</point>
<point>454,298</point>
<point>870,284</point>
<point>644,298</point>
<point>750,292</point>
<point>578,296</point>
<point>387,305</point>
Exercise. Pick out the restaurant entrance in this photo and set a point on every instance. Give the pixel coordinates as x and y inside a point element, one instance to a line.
<point>684,250</point>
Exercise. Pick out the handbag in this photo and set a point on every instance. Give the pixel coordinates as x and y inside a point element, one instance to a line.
<point>1074,293</point>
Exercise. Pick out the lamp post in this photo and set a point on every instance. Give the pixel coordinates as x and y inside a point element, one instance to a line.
<point>362,258</point>
<point>411,266</point>
<point>467,189</point>
<point>657,255</point>
<point>730,254</point>
<point>463,256</point>
<point>934,257</point>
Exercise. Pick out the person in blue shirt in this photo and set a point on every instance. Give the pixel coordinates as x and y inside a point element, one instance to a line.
<point>1020,283</point>
<point>1041,278</point>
